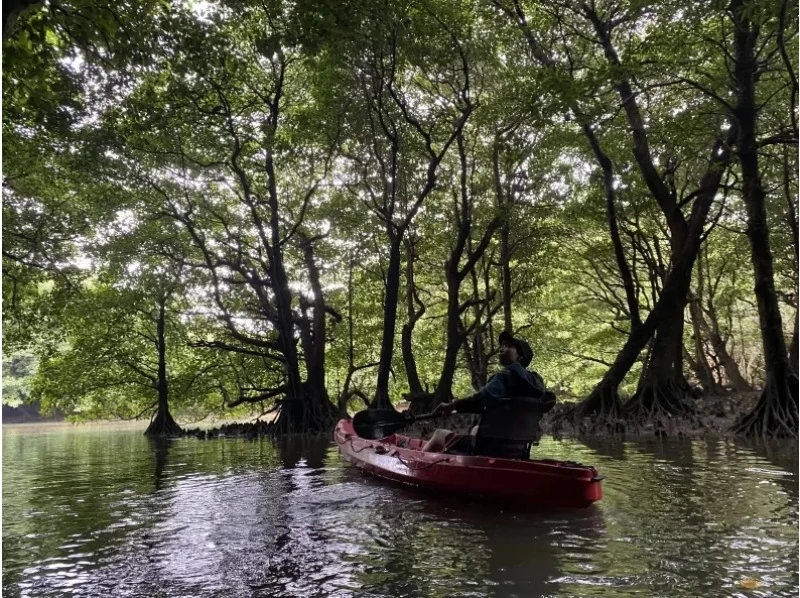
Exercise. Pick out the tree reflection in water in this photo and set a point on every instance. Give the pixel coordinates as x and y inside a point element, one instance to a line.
<point>423,544</point>
<point>112,513</point>
<point>160,449</point>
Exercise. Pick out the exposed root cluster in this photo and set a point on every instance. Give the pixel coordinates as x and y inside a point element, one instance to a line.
<point>661,408</point>
<point>600,413</point>
<point>162,425</point>
<point>310,415</point>
<point>776,413</point>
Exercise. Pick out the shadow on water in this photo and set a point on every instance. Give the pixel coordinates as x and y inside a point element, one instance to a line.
<point>312,450</point>
<point>160,449</point>
<point>424,543</point>
<point>524,552</point>
<point>712,506</point>
<point>783,456</point>
<point>611,448</point>
<point>109,514</point>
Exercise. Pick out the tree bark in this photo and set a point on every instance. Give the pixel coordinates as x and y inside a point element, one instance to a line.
<point>794,350</point>
<point>162,424</point>
<point>504,202</point>
<point>505,269</point>
<point>604,399</point>
<point>791,217</point>
<point>413,316</point>
<point>315,351</point>
<point>443,392</point>
<point>283,296</point>
<point>613,227</point>
<point>306,407</point>
<point>476,354</point>
<point>382,400</point>
<point>776,413</point>
<point>718,345</point>
<point>700,364</point>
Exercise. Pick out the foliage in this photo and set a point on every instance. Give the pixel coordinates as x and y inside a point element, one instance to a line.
<point>215,156</point>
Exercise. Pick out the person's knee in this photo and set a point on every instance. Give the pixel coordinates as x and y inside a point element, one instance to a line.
<point>441,434</point>
<point>437,441</point>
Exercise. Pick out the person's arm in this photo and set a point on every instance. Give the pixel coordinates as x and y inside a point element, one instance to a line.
<point>497,388</point>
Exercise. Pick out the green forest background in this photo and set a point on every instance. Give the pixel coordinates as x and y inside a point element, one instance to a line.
<point>238,207</point>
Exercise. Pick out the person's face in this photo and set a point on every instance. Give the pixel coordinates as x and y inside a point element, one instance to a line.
<point>508,354</point>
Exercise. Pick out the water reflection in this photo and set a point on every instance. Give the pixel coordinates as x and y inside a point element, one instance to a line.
<point>311,449</point>
<point>613,449</point>
<point>160,449</point>
<point>109,513</point>
<point>783,457</point>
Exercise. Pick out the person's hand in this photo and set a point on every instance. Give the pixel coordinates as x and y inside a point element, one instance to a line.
<point>444,408</point>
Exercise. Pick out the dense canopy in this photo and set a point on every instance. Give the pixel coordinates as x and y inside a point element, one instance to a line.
<point>294,207</point>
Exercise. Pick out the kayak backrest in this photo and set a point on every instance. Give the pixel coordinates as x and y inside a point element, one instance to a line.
<point>509,427</point>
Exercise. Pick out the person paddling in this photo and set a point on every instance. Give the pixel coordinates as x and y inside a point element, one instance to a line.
<point>514,380</point>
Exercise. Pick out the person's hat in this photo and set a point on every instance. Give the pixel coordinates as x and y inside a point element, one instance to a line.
<point>523,348</point>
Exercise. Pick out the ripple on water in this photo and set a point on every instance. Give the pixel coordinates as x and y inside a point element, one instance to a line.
<point>110,514</point>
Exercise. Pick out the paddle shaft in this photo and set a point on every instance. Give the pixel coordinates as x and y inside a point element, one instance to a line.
<point>425,416</point>
<point>366,427</point>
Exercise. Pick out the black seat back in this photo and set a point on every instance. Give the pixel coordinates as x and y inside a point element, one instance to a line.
<point>509,427</point>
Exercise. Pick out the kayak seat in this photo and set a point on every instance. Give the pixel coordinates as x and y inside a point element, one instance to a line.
<point>507,429</point>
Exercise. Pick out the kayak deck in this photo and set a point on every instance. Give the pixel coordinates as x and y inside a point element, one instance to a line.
<point>544,482</point>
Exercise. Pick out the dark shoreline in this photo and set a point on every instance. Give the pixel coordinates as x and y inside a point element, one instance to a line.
<point>712,416</point>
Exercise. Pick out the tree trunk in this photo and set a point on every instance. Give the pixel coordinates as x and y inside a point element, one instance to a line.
<point>162,424</point>
<point>311,411</point>
<point>382,400</point>
<point>315,351</point>
<point>789,175</point>
<point>664,387</point>
<point>613,227</point>
<point>504,201</point>
<point>505,269</point>
<point>443,392</point>
<point>776,413</point>
<point>471,359</point>
<point>702,370</point>
<point>718,345</point>
<point>663,384</point>
<point>794,350</point>
<point>305,407</point>
<point>414,384</point>
<point>348,390</point>
<point>312,414</point>
<point>476,354</point>
<point>604,399</point>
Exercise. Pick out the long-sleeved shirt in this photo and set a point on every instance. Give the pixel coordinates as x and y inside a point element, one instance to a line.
<point>513,381</point>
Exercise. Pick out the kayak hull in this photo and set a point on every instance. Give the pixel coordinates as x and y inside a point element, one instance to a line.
<point>541,482</point>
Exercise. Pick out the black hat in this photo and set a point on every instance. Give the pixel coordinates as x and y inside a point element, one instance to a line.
<point>523,348</point>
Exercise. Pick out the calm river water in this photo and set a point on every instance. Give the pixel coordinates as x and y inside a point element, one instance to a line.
<point>104,512</point>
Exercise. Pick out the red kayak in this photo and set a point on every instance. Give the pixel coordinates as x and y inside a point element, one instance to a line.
<point>543,482</point>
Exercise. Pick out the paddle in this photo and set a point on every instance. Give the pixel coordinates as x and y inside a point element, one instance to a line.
<point>379,423</point>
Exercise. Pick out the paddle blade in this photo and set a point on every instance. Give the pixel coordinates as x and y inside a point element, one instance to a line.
<point>379,423</point>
